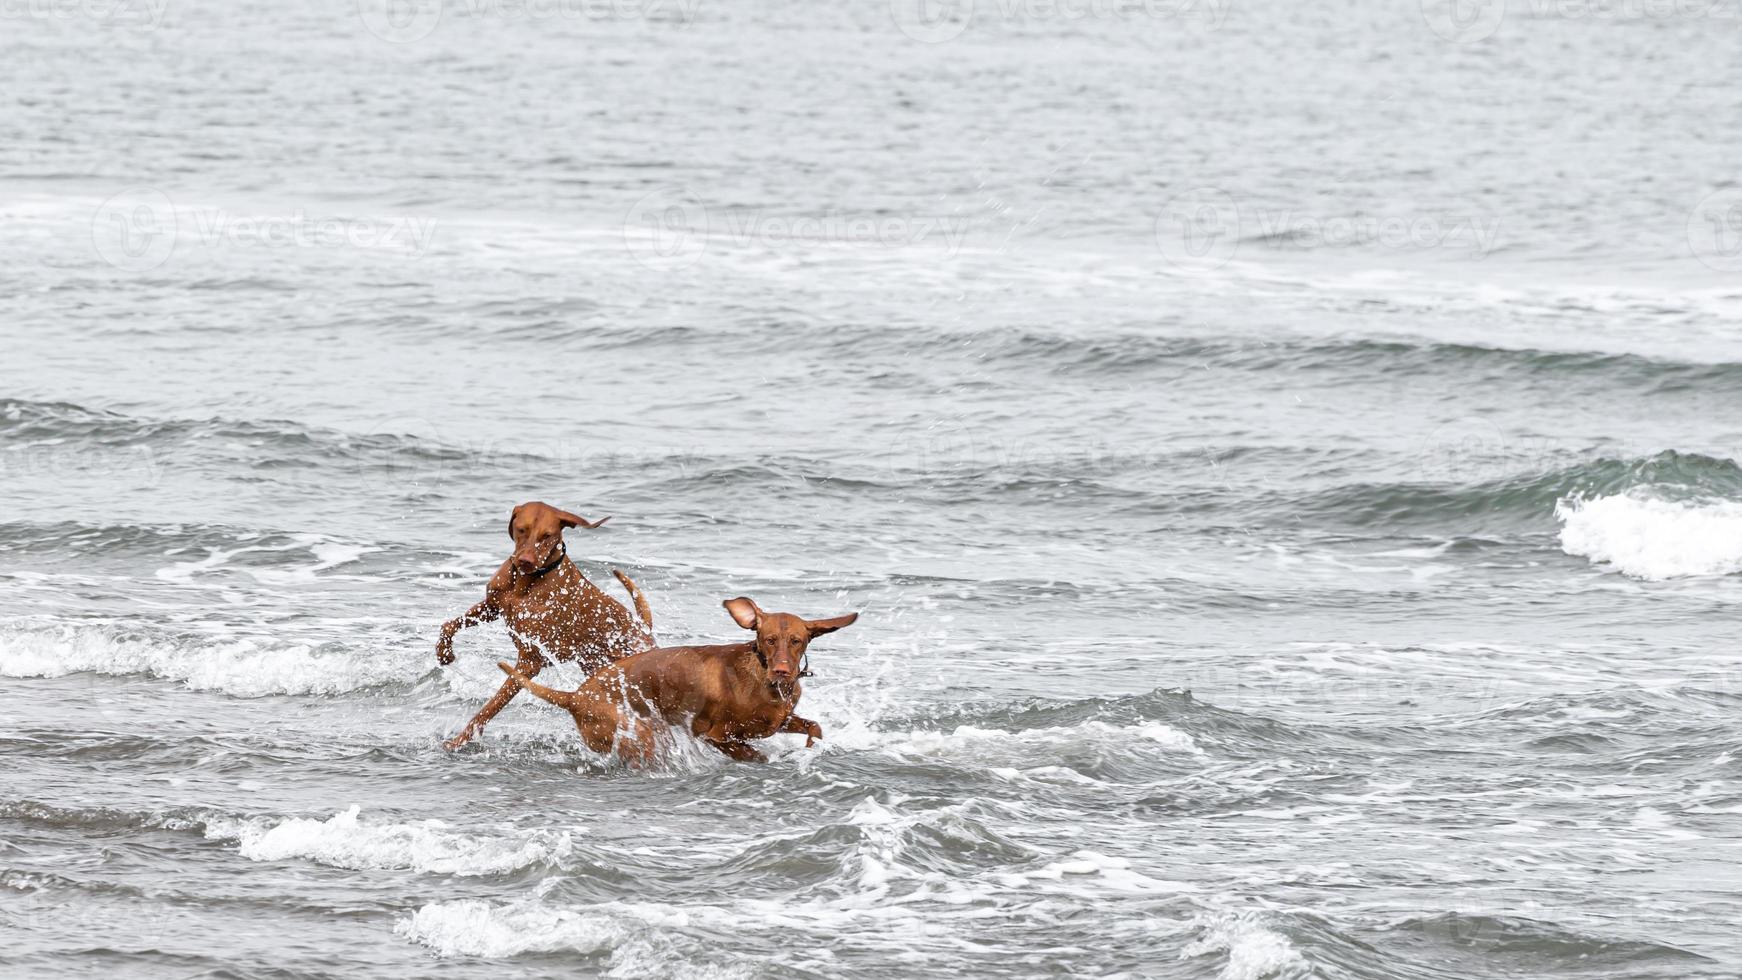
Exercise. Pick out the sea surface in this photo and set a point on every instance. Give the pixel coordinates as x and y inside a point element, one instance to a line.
<point>1284,457</point>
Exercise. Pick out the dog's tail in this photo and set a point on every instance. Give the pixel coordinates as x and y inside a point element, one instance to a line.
<point>562,699</point>
<point>641,608</point>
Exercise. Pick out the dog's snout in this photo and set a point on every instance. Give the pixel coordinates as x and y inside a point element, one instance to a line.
<point>782,666</point>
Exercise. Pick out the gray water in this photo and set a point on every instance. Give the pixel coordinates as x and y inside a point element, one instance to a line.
<point>1283,455</point>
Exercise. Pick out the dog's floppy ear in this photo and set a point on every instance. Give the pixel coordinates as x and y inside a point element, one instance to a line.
<point>820,626</point>
<point>511,516</point>
<point>571,520</point>
<point>744,612</point>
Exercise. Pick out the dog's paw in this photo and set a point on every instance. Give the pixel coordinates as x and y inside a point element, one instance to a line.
<point>812,734</point>
<point>445,652</point>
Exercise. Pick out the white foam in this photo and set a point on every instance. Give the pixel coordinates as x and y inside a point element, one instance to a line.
<point>472,928</point>
<point>971,740</point>
<point>1109,875</point>
<point>1655,820</point>
<point>1043,774</point>
<point>883,895</point>
<point>426,846</point>
<point>1082,875</point>
<point>244,667</point>
<point>879,855</point>
<point>1254,952</point>
<point>1654,539</point>
<point>328,554</point>
<point>636,936</point>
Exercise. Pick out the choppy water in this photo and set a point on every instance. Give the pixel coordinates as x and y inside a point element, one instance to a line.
<point>1285,459</point>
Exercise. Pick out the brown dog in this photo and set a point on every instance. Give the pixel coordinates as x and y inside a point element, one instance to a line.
<point>726,695</point>
<point>551,610</point>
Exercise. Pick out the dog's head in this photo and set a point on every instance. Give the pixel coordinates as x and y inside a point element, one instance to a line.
<point>537,530</point>
<point>782,637</point>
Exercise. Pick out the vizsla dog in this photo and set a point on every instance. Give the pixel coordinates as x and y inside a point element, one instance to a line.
<point>550,608</point>
<point>726,695</point>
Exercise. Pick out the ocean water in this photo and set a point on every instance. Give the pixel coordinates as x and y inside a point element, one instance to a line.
<point>1285,457</point>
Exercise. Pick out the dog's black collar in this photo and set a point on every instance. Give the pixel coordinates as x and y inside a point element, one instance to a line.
<point>562,553</point>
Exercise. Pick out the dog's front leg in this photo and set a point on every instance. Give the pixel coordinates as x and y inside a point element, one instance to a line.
<point>529,668</point>
<point>485,611</point>
<point>803,726</point>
